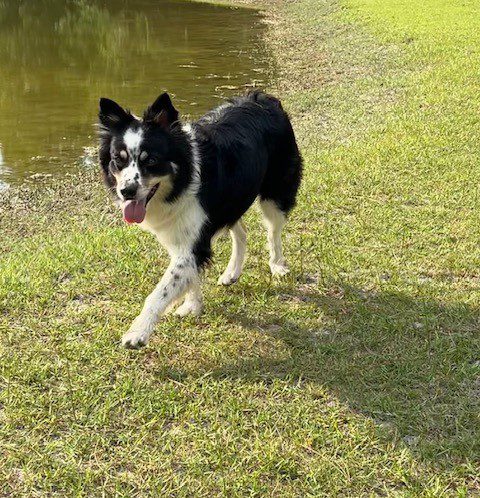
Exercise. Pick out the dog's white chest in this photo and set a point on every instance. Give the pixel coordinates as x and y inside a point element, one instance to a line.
<point>177,225</point>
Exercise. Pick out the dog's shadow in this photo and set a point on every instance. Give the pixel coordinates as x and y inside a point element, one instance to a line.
<point>409,364</point>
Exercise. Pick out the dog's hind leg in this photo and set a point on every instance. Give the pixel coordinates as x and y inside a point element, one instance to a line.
<point>274,219</point>
<point>180,276</point>
<point>193,304</point>
<point>239,246</point>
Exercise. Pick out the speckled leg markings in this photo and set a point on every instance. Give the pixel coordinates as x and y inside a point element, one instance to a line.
<point>274,219</point>
<point>180,276</point>
<point>239,246</point>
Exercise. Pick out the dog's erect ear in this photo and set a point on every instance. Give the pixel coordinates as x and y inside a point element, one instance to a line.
<point>161,112</point>
<point>113,116</point>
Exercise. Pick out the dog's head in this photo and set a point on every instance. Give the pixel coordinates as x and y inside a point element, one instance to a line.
<point>138,155</point>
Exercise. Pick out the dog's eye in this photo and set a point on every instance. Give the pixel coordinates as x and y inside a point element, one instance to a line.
<point>147,159</point>
<point>120,159</point>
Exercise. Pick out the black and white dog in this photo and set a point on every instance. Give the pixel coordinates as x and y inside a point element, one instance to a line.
<point>187,182</point>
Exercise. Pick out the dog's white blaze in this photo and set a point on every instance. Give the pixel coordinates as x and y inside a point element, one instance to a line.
<point>132,140</point>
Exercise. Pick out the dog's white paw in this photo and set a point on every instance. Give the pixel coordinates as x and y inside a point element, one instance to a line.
<point>193,307</point>
<point>228,277</point>
<point>135,338</point>
<point>279,269</point>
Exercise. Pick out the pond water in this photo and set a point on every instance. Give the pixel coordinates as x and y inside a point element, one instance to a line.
<point>57,57</point>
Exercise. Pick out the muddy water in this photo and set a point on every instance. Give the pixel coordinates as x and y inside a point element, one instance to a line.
<point>57,57</point>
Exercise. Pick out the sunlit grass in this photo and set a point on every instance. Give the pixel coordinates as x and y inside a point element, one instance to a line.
<point>356,376</point>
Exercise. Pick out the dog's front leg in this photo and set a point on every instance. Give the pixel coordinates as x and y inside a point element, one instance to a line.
<point>181,274</point>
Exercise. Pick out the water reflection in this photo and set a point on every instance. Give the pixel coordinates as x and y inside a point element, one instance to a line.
<point>58,56</point>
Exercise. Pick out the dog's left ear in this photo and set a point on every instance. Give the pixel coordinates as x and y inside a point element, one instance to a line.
<point>112,116</point>
<point>161,112</point>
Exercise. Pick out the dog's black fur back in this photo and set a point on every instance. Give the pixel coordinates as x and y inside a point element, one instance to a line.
<point>248,149</point>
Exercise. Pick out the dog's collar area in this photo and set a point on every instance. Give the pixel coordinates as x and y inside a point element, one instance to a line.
<point>152,193</point>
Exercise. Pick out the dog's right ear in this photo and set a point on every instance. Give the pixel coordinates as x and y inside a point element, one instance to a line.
<point>112,116</point>
<point>161,112</point>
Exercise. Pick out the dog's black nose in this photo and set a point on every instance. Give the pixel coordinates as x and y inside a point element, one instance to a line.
<point>129,192</point>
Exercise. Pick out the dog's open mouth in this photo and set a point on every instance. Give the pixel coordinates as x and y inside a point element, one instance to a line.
<point>135,211</point>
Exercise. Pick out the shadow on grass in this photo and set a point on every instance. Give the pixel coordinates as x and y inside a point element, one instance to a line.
<point>410,364</point>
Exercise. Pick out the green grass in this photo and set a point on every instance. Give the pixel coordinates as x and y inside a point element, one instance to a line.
<point>358,375</point>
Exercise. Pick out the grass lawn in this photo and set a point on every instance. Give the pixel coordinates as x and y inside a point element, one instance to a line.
<point>358,375</point>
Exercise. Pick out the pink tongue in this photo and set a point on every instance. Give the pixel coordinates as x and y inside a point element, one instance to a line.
<point>134,211</point>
